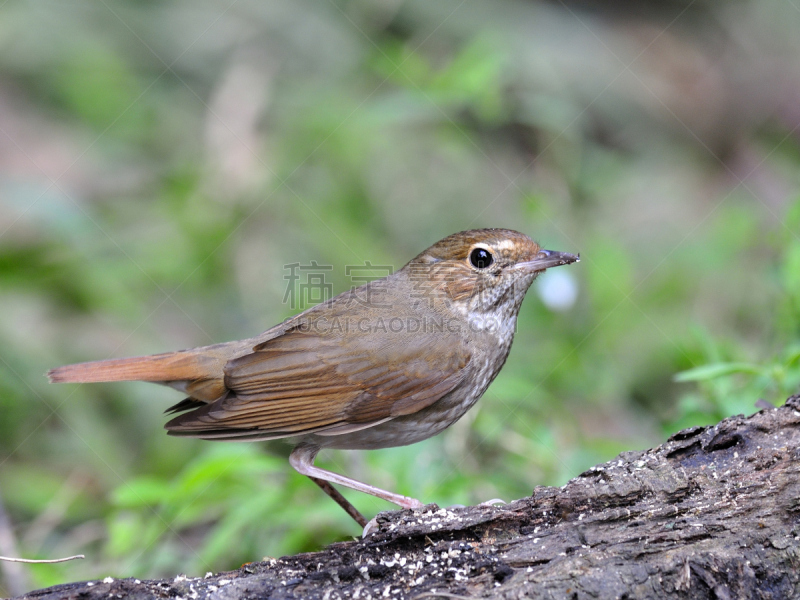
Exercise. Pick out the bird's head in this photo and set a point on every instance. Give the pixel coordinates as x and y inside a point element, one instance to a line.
<point>482,270</point>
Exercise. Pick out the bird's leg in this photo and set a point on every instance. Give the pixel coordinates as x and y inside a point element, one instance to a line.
<point>340,500</point>
<point>302,460</point>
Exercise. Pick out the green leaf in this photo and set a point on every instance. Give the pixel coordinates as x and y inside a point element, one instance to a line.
<point>143,491</point>
<point>712,371</point>
<point>793,356</point>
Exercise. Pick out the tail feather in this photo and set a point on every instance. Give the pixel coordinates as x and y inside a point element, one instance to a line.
<point>172,366</point>
<point>184,405</point>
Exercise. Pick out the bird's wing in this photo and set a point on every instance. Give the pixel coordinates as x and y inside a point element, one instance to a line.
<point>329,383</point>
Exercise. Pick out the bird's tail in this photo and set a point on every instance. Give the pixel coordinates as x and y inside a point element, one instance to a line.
<point>170,366</point>
<point>198,372</point>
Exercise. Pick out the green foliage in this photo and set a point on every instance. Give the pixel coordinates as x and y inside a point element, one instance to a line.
<point>221,493</point>
<point>727,388</point>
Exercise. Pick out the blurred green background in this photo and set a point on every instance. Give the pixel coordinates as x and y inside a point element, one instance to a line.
<point>160,163</point>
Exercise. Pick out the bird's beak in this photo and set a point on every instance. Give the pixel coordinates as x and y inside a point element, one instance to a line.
<point>546,259</point>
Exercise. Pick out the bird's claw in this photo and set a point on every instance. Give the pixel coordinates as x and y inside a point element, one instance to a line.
<point>371,527</point>
<point>492,502</point>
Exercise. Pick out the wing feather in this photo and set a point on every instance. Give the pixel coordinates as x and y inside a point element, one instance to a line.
<point>306,382</point>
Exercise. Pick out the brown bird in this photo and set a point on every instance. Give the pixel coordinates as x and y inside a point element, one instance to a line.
<point>390,363</point>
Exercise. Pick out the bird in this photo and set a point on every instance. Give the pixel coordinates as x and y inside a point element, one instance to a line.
<point>389,363</point>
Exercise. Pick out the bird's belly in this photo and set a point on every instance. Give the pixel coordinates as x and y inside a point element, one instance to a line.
<point>400,431</point>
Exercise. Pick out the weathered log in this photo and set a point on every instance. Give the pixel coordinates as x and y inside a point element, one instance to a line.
<point>712,513</point>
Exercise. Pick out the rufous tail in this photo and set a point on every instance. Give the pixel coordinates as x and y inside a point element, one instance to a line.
<point>185,365</point>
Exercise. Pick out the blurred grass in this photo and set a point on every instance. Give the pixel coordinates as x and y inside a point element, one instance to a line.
<point>160,163</point>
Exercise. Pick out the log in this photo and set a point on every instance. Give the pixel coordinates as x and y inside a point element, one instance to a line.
<point>712,513</point>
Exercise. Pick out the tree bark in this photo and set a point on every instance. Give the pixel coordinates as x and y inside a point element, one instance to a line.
<point>712,513</point>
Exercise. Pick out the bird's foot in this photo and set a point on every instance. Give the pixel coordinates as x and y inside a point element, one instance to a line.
<point>371,527</point>
<point>411,503</point>
<point>403,502</point>
<point>492,502</point>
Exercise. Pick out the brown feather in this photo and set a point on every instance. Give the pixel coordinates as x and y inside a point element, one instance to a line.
<point>198,372</point>
<point>309,380</point>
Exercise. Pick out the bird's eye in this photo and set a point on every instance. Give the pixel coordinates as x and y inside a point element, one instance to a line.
<point>480,258</point>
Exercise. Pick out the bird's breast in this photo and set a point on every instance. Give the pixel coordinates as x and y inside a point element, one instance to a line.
<point>489,348</point>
